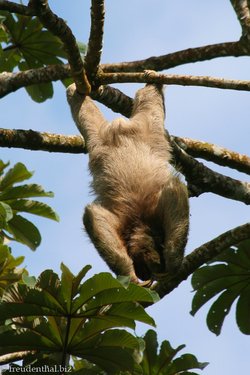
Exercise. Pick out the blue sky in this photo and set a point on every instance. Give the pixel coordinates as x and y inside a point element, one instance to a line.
<point>136,30</point>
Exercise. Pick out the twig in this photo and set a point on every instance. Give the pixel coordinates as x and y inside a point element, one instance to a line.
<point>171,60</point>
<point>58,27</point>
<point>202,179</point>
<point>203,254</point>
<point>176,79</point>
<point>16,8</point>
<point>93,56</point>
<point>214,153</point>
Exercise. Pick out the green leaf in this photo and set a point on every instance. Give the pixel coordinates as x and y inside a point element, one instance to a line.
<point>230,281</point>
<point>2,167</point>
<point>24,231</point>
<point>40,92</point>
<point>34,207</point>
<point>243,311</point>
<point>30,281</point>
<point>45,309</point>
<point>112,351</point>
<point>16,174</point>
<point>25,191</point>
<point>150,354</point>
<point>185,362</point>
<point>164,362</point>
<point>9,274</point>
<point>78,278</point>
<point>67,280</point>
<point>6,214</point>
<point>11,341</point>
<point>101,284</point>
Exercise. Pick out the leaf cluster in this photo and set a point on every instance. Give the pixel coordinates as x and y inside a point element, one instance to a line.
<point>227,277</point>
<point>15,199</point>
<point>54,319</point>
<point>25,44</point>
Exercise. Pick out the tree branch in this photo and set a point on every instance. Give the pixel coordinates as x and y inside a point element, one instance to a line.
<point>175,79</point>
<point>33,140</point>
<point>203,254</point>
<point>58,27</point>
<point>93,56</point>
<point>187,56</point>
<point>202,179</point>
<point>243,14</point>
<point>114,99</point>
<point>109,96</point>
<point>10,82</point>
<point>214,153</point>
<point>16,8</point>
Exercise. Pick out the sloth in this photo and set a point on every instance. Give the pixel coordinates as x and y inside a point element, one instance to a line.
<point>140,218</point>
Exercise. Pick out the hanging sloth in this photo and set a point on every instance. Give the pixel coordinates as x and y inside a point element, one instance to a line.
<point>140,218</point>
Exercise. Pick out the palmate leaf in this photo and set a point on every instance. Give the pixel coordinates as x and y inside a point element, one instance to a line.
<point>28,38</point>
<point>165,362</point>
<point>230,280</point>
<point>47,311</point>
<point>112,351</point>
<point>29,46</point>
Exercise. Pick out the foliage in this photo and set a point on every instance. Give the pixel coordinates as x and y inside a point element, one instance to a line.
<point>62,317</point>
<point>164,362</point>
<point>152,362</point>
<point>25,44</point>
<point>229,279</point>
<point>8,271</point>
<point>13,199</point>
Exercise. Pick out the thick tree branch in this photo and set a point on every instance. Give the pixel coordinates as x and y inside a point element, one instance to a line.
<point>58,27</point>
<point>187,56</point>
<point>203,254</point>
<point>214,153</point>
<point>16,8</point>
<point>40,141</point>
<point>175,79</point>
<point>93,56</point>
<point>202,179</point>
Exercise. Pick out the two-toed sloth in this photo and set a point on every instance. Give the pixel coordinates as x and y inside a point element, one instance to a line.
<point>139,220</point>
